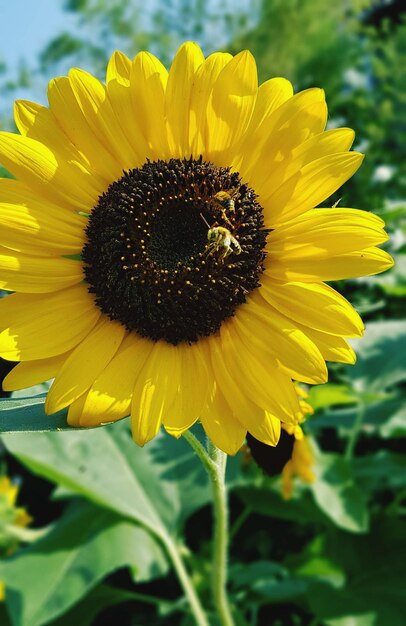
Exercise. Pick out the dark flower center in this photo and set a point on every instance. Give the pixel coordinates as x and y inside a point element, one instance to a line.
<point>173,248</point>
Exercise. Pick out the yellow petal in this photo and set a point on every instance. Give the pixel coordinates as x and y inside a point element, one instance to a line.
<point>365,262</point>
<point>262,135</point>
<point>178,94</point>
<point>40,326</point>
<point>332,348</point>
<point>252,417</point>
<point>154,392</point>
<point>71,118</point>
<point>33,226</point>
<point>192,390</point>
<point>30,373</point>
<point>93,100</point>
<point>241,404</point>
<point>264,383</point>
<point>33,274</point>
<point>297,155</point>
<point>85,364</point>
<point>37,166</point>
<point>109,398</point>
<point>315,182</point>
<point>224,430</point>
<point>322,233</point>
<point>315,305</point>
<point>267,429</point>
<point>75,411</point>
<point>126,113</point>
<point>148,80</point>
<point>230,108</point>
<point>278,150</point>
<point>39,123</point>
<point>271,95</point>
<point>298,357</point>
<point>200,96</point>
<point>119,68</point>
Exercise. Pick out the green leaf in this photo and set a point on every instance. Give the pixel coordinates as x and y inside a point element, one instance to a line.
<point>28,415</point>
<point>4,617</point>
<point>159,485</point>
<point>50,576</point>
<point>92,464</point>
<point>337,495</point>
<point>346,609</point>
<point>372,572</point>
<point>381,353</point>
<point>394,424</point>
<point>385,418</point>
<point>175,473</point>
<point>394,282</point>
<point>268,580</point>
<point>85,612</point>
<point>381,470</point>
<point>267,502</point>
<point>375,578</point>
<point>243,574</point>
<point>103,597</point>
<point>321,396</point>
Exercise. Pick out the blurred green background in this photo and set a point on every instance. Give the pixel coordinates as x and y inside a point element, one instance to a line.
<point>334,554</point>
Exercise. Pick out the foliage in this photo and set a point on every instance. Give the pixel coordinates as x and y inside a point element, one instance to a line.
<point>330,556</point>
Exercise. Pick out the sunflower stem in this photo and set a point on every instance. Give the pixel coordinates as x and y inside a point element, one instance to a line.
<point>220,542</point>
<point>214,462</point>
<point>196,607</point>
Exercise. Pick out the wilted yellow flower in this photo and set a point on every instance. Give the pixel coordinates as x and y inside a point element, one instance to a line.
<point>300,464</point>
<point>10,516</point>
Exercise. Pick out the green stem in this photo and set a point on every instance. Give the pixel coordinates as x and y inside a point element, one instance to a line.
<point>239,522</point>
<point>214,462</point>
<point>355,432</point>
<point>184,579</point>
<point>219,459</point>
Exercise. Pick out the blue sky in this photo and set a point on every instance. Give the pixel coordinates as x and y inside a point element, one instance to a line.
<point>26,26</point>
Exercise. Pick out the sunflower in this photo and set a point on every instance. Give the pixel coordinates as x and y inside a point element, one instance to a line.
<point>164,248</point>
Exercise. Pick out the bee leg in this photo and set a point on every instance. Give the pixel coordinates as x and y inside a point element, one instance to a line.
<point>225,218</point>
<point>208,250</point>
<point>237,247</point>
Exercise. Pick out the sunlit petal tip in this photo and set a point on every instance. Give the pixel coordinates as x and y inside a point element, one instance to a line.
<point>389,261</point>
<point>176,432</point>
<point>190,48</point>
<point>51,405</point>
<point>118,68</point>
<point>142,436</point>
<point>351,356</point>
<point>147,59</point>
<point>247,67</point>
<point>78,73</point>
<point>24,109</point>
<point>321,377</point>
<point>350,133</point>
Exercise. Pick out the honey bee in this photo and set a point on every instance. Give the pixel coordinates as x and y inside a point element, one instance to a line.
<point>220,238</point>
<point>225,201</point>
